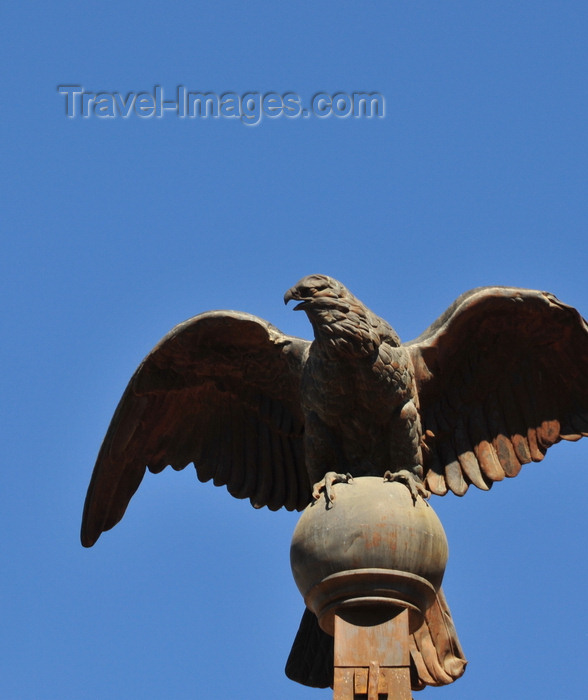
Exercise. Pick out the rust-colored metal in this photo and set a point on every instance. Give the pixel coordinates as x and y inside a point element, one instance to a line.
<point>370,569</point>
<point>375,546</point>
<point>372,657</point>
<point>500,377</point>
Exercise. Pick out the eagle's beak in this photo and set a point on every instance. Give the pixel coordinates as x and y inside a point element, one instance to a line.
<point>293,294</point>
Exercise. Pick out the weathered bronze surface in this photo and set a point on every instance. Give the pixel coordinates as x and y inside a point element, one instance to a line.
<point>377,545</point>
<point>371,655</point>
<point>370,570</point>
<point>501,376</point>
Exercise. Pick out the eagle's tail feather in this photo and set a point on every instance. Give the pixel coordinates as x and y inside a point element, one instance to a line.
<point>436,654</point>
<point>311,659</point>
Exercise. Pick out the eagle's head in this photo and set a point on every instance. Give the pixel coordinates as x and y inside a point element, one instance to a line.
<point>339,319</point>
<point>316,292</point>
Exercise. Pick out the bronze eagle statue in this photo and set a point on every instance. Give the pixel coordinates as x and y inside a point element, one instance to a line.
<point>501,376</point>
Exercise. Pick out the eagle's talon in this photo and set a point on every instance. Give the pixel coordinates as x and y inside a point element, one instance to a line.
<point>411,481</point>
<point>326,485</point>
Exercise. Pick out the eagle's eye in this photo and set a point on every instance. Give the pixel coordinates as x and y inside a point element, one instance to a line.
<point>316,284</point>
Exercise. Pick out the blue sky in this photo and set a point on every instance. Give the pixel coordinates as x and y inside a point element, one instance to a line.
<point>114,230</point>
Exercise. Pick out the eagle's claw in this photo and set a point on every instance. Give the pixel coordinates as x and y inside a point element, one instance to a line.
<point>411,481</point>
<point>326,485</point>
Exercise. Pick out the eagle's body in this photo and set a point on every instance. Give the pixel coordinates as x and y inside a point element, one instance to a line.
<point>500,377</point>
<point>359,404</point>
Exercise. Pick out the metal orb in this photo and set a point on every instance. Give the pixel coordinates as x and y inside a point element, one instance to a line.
<point>372,546</point>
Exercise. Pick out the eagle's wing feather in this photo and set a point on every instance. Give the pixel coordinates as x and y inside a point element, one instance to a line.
<point>221,390</point>
<point>502,375</point>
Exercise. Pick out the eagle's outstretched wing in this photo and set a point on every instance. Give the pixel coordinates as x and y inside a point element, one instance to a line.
<point>221,390</point>
<point>501,376</point>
